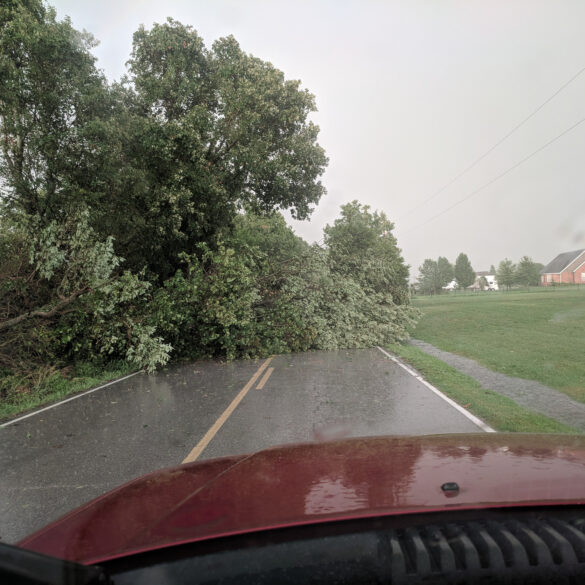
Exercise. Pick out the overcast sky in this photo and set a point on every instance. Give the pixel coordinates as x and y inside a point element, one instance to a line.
<point>410,93</point>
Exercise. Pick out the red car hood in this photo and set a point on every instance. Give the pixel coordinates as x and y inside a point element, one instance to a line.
<point>311,483</point>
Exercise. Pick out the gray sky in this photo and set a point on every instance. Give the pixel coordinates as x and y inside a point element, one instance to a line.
<point>409,94</point>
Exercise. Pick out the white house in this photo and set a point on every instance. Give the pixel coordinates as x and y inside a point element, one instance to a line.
<point>451,286</point>
<point>492,283</point>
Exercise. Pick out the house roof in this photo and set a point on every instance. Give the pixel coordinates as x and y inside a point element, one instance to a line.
<point>561,262</point>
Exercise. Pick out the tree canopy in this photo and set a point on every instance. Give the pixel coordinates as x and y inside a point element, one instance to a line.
<point>54,108</point>
<point>506,273</point>
<point>220,131</point>
<point>361,245</point>
<point>446,271</point>
<point>430,280</point>
<point>464,273</point>
<point>528,272</point>
<point>167,160</point>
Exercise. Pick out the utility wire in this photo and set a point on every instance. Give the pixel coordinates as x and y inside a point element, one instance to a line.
<point>520,162</point>
<point>503,139</point>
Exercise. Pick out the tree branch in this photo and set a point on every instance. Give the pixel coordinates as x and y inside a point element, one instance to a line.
<point>47,314</point>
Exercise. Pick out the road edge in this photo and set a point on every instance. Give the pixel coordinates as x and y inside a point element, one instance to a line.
<point>474,419</point>
<point>55,404</point>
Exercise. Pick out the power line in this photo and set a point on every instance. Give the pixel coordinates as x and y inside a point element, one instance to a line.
<point>490,150</point>
<point>520,162</point>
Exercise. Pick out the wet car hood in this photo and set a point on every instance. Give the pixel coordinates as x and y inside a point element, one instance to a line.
<point>313,483</point>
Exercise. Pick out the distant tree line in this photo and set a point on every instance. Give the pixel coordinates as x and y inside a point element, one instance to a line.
<point>436,274</point>
<point>140,221</point>
<point>525,273</point>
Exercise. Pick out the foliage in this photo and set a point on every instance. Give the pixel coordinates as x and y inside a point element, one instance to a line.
<point>206,309</point>
<point>429,278</point>
<point>139,220</point>
<point>464,273</point>
<point>266,291</point>
<point>361,245</point>
<point>163,162</point>
<point>270,235</point>
<point>434,275</point>
<point>72,251</point>
<point>506,274</point>
<point>216,131</point>
<point>446,271</point>
<point>528,272</point>
<point>64,300</point>
<point>112,322</point>
<point>343,313</point>
<point>53,113</point>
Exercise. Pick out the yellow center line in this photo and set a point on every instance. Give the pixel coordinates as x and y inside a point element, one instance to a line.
<point>198,449</point>
<point>264,378</point>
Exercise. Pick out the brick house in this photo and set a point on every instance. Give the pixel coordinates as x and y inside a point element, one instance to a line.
<point>566,268</point>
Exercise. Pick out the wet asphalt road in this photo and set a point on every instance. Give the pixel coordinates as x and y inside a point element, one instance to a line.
<point>55,460</point>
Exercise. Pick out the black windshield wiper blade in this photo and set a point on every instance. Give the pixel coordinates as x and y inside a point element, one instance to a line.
<point>23,567</point>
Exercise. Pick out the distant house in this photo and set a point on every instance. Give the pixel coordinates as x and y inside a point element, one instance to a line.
<point>451,286</point>
<point>491,282</point>
<point>566,268</point>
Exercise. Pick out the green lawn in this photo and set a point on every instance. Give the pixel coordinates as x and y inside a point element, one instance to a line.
<point>537,334</point>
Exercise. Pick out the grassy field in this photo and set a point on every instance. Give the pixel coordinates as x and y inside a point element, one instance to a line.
<point>537,334</point>
<point>498,411</point>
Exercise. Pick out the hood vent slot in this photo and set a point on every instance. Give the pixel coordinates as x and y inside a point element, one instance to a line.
<point>513,547</point>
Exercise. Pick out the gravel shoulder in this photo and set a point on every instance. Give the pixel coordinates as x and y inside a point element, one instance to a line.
<point>527,393</point>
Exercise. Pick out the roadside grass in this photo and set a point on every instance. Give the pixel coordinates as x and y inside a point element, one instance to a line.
<point>537,334</point>
<point>498,411</point>
<point>57,387</point>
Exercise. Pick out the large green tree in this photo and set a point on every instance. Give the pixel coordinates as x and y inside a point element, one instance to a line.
<point>464,273</point>
<point>528,272</point>
<point>429,277</point>
<point>506,274</point>
<point>216,131</point>
<point>165,161</point>
<point>446,271</point>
